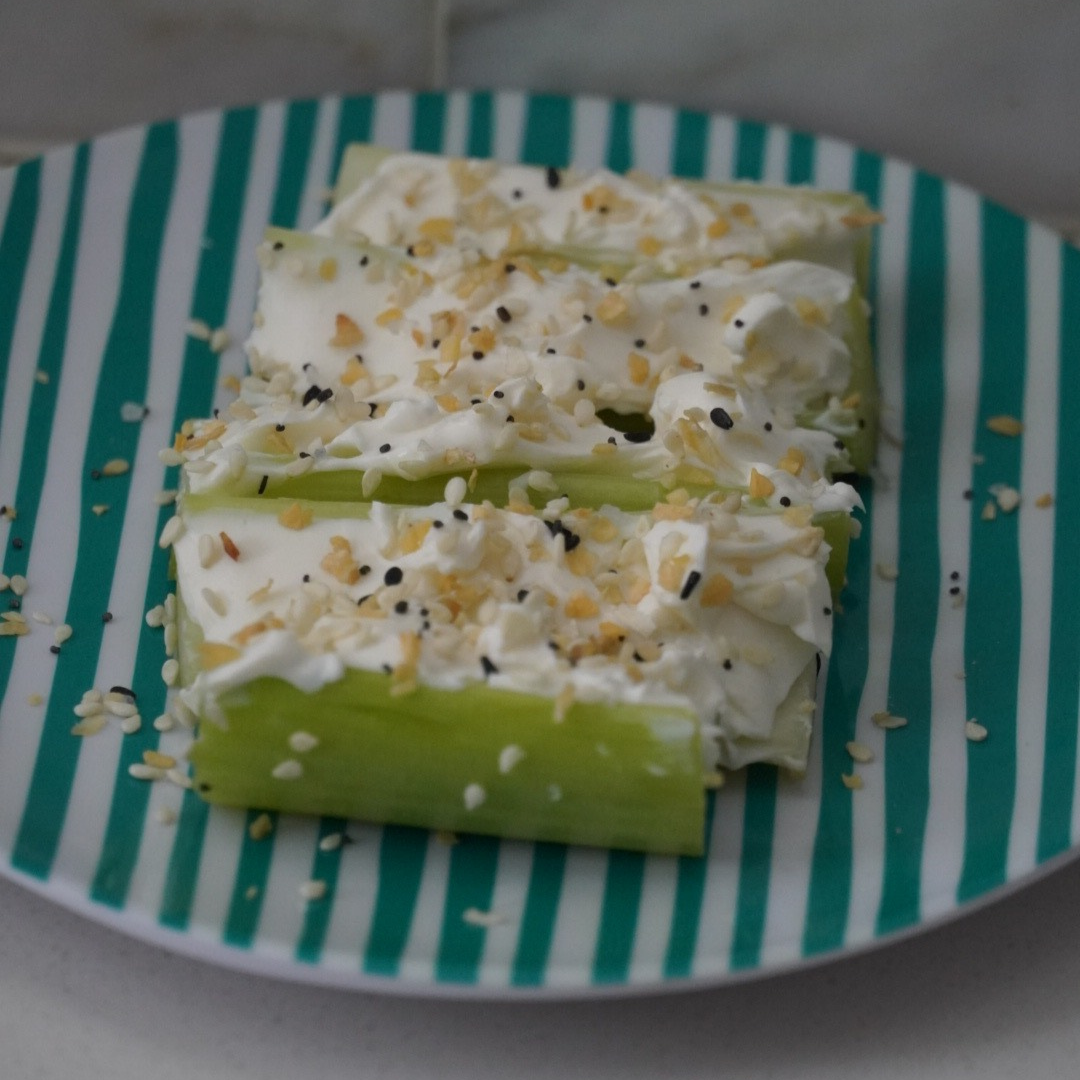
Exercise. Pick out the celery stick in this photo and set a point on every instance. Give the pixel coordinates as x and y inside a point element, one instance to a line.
<point>625,776</point>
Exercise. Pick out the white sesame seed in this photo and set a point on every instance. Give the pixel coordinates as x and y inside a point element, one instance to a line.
<point>91,725</point>
<point>170,456</point>
<point>331,841</point>
<point>859,752</point>
<point>509,756</point>
<point>473,796</point>
<point>372,479</point>
<point>1008,498</point>
<point>455,490</point>
<point>209,550</point>
<point>301,742</point>
<point>61,634</point>
<point>261,827</point>
<point>99,509</point>
<point>41,377</point>
<point>485,919</point>
<point>131,724</point>
<point>887,722</point>
<point>198,329</point>
<point>174,529</point>
<point>974,731</point>
<point>88,708</point>
<point>251,892</point>
<point>237,462</point>
<point>165,815</point>
<point>172,635</point>
<point>41,617</point>
<point>131,412</point>
<point>18,584</point>
<point>220,340</point>
<point>170,671</point>
<point>115,467</point>
<point>887,571</point>
<point>313,890</point>
<point>155,617</point>
<point>554,792</point>
<point>289,769</point>
<point>34,699</point>
<point>121,708</point>
<point>140,771</point>
<point>215,601</point>
<point>177,776</point>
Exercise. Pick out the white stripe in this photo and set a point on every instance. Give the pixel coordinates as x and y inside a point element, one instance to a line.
<point>30,324</point>
<point>577,922</point>
<point>798,804</point>
<point>834,165</point>
<point>506,908</point>
<point>262,179</point>
<point>319,181</point>
<point>355,894</point>
<point>392,124</point>
<point>456,129</point>
<point>508,135</point>
<point>1036,527</point>
<point>719,900</point>
<point>87,816</point>
<point>943,850</point>
<point>655,910</point>
<point>868,806</point>
<point>422,945</point>
<point>281,920</point>
<point>653,130</point>
<point>720,152</point>
<point>777,151</point>
<point>113,167</point>
<point>590,132</point>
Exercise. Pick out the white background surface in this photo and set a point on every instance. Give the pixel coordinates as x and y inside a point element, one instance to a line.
<point>984,91</point>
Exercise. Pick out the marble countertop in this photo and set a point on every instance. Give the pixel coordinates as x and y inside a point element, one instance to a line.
<point>984,91</point>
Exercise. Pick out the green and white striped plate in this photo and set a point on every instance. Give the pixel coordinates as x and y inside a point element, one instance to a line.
<point>108,249</point>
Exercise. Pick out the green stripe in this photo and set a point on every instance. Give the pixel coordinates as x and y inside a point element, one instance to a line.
<point>178,893</point>
<point>252,872</point>
<point>402,852</point>
<point>481,124</point>
<point>15,255</point>
<point>686,911</point>
<point>42,410</point>
<point>354,125</point>
<point>474,861</point>
<point>210,302</point>
<point>538,918</point>
<point>750,139</point>
<point>802,149</point>
<point>618,916</point>
<point>548,130</point>
<point>620,152</point>
<point>293,162</point>
<point>1063,675</point>
<point>325,866</point>
<point>123,377</point>
<point>992,625</point>
<point>755,863</point>
<point>829,892</point>
<point>691,144</point>
<point>429,111</point>
<point>907,755</point>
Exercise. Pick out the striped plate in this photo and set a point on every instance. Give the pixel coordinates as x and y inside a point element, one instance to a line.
<point>108,249</point>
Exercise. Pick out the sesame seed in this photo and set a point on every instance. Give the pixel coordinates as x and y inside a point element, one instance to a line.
<point>302,741</point>
<point>488,667</point>
<point>703,309</point>
<point>552,177</point>
<point>859,752</point>
<point>460,515</point>
<point>290,769</point>
<point>261,827</point>
<point>141,771</point>
<point>691,583</point>
<point>721,418</point>
<point>331,841</point>
<point>402,607</point>
<point>393,575</point>
<point>313,890</point>
<point>385,448</point>
<point>974,731</point>
<point>887,722</point>
<point>170,670</point>
<point>473,796</point>
<point>503,314</point>
<point>484,919</point>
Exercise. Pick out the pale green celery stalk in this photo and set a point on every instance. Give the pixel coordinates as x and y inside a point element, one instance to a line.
<point>623,776</point>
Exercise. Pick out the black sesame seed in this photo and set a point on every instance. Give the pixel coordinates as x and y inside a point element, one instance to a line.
<point>839,444</point>
<point>637,436</point>
<point>365,570</point>
<point>125,690</point>
<point>703,309</point>
<point>372,407</point>
<point>303,454</point>
<point>509,419</point>
<point>401,607</point>
<point>817,664</point>
<point>424,612</point>
<point>610,281</point>
<point>968,493</point>
<point>278,245</point>
<point>828,610</point>
<point>509,268</point>
<point>553,177</point>
<point>768,425</point>
<point>360,602</point>
<point>639,343</point>
<point>550,351</point>
<point>611,439</point>
<point>325,395</point>
<point>739,324</point>
<point>727,665</point>
<point>15,604</point>
<point>387,669</point>
<point>461,515</point>
<point>522,593</point>
<point>478,354</point>
<point>204,787</point>
<point>954,590</point>
<point>784,500</point>
<point>410,251</point>
<point>54,649</point>
<point>690,584</point>
<point>95,474</point>
<point>106,616</point>
<point>638,657</point>
<point>385,448</point>
<point>488,666</point>
<point>955,575</point>
<point>517,193</point>
<point>436,524</point>
<point>17,543</point>
<point>263,482</point>
<point>393,576</point>
<point>553,646</point>
<point>311,394</point>
<point>497,394</point>
<point>721,418</point>
<point>504,315</point>
<point>587,317</point>
<point>306,578</point>
<point>695,284</point>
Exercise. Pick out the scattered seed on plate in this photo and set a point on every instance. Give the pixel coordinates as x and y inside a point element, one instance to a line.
<point>331,841</point>
<point>41,377</point>
<point>169,671</point>
<point>199,329</point>
<point>166,497</point>
<point>90,725</point>
<point>177,776</point>
<point>220,340</point>
<point>887,722</point>
<point>887,571</point>
<point>41,617</point>
<point>313,890</point>
<point>61,634</point>
<point>18,584</point>
<point>165,815</point>
<point>251,892</point>
<point>115,467</point>
<point>852,781</point>
<point>100,509</point>
<point>485,919</point>
<point>34,699</point>
<point>131,412</point>
<point>261,827</point>
<point>989,511</point>
<point>859,752</point>
<point>974,731</point>
<point>141,771</point>
<point>1005,425</point>
<point>1044,500</point>
<point>129,725</point>
<point>164,722</point>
